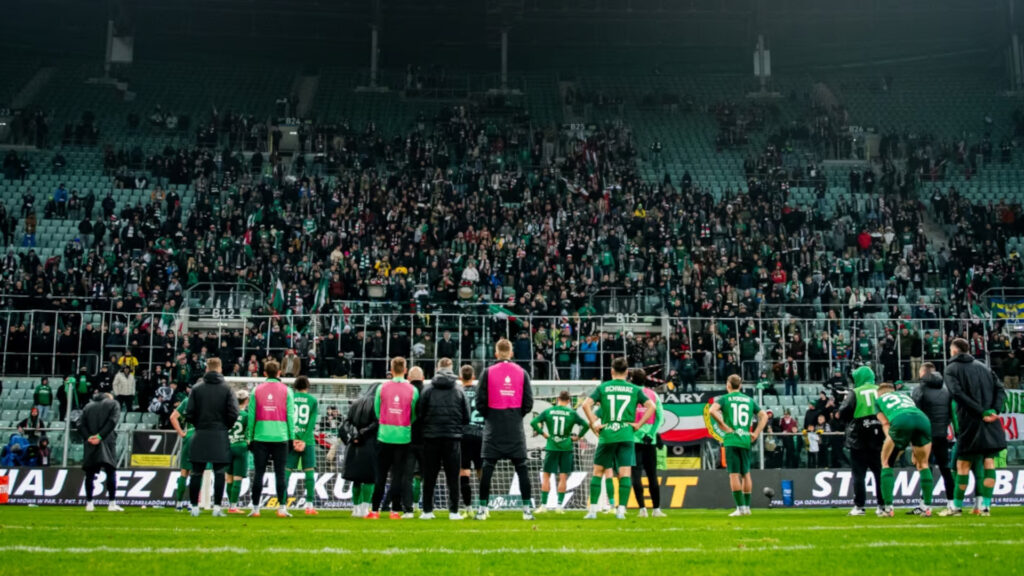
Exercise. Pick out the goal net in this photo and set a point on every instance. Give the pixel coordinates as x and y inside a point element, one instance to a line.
<point>334,397</point>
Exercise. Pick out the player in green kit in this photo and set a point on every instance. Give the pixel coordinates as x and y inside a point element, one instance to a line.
<point>558,424</point>
<point>238,469</point>
<point>904,424</point>
<point>618,400</point>
<point>178,418</point>
<point>303,455</point>
<point>734,412</point>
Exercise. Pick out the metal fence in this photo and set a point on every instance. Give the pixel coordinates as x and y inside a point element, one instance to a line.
<point>358,341</point>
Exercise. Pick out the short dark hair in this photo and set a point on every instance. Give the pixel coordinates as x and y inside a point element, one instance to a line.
<point>466,372</point>
<point>620,365</point>
<point>961,345</point>
<point>928,366</point>
<point>271,369</point>
<point>564,396</point>
<point>638,376</point>
<point>301,383</point>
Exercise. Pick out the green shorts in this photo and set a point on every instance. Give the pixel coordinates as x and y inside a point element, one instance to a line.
<point>615,454</point>
<point>558,462</point>
<point>305,460</point>
<point>737,460</point>
<point>185,458</point>
<point>910,429</point>
<point>239,460</point>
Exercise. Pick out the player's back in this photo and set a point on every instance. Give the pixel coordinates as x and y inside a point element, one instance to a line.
<point>738,412</point>
<point>895,404</point>
<point>618,400</point>
<point>306,413</point>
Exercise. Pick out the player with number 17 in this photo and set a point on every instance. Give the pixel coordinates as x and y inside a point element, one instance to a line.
<point>618,424</point>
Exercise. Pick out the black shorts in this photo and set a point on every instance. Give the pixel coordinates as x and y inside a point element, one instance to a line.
<point>471,448</point>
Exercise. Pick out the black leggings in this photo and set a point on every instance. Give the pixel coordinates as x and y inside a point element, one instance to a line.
<point>863,461</point>
<point>524,480</point>
<point>261,453</point>
<point>111,480</point>
<point>195,482</point>
<point>646,461</point>
<point>940,452</point>
<point>390,457</point>
<point>438,454</point>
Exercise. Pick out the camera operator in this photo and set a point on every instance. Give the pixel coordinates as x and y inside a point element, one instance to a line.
<point>864,434</point>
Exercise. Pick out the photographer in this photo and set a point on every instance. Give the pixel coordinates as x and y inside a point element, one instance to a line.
<point>864,434</point>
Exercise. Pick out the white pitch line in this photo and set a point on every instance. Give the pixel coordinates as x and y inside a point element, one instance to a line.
<point>85,551</point>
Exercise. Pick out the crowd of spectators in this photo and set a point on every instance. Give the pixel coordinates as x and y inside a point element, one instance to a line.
<point>550,227</point>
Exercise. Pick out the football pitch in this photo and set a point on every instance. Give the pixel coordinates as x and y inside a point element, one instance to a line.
<point>55,540</point>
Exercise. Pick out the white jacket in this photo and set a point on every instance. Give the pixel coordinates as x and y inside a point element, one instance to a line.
<point>124,384</point>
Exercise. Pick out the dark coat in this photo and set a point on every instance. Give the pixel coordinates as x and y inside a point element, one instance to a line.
<point>100,417</point>
<point>212,410</point>
<point>442,408</point>
<point>976,390</point>
<point>935,400</point>
<point>360,452</point>
<point>504,432</point>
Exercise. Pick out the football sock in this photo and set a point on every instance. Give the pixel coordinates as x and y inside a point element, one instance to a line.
<point>609,489</point>
<point>357,494</point>
<point>310,487</point>
<point>595,489</point>
<point>561,498</point>
<point>737,497</point>
<point>927,486</point>
<point>179,492</point>
<point>367,493</point>
<point>888,482</point>
<point>986,496</point>
<point>234,491</point>
<point>746,499</point>
<point>625,487</point>
<point>417,485</point>
<point>544,498</point>
<point>467,490</point>
<point>961,490</point>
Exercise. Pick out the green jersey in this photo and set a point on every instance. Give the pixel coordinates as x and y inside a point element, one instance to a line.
<point>306,415</point>
<point>237,433</point>
<point>560,423</point>
<point>739,412</point>
<point>183,418</point>
<point>896,404</point>
<point>618,400</point>
<point>475,428</point>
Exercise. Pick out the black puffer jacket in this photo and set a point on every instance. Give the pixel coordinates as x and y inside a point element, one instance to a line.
<point>935,400</point>
<point>976,390</point>
<point>213,410</point>
<point>443,409</point>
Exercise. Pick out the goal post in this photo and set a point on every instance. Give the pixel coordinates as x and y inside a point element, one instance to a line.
<point>335,395</point>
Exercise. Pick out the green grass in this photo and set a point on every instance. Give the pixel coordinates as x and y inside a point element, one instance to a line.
<point>53,541</point>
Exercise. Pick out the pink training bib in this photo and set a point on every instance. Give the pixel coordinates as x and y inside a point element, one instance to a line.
<point>641,409</point>
<point>271,402</point>
<point>396,403</point>
<point>505,386</point>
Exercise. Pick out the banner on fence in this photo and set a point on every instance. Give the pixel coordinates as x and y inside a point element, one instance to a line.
<point>679,488</point>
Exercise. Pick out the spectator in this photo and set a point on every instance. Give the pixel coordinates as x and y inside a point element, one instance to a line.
<point>32,427</point>
<point>124,388</point>
<point>42,399</point>
<point>291,365</point>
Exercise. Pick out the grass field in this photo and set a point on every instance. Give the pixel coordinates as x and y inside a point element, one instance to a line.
<point>53,541</point>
